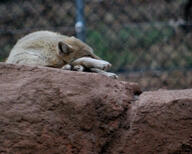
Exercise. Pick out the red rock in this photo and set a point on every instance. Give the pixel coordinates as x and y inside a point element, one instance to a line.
<point>160,123</point>
<point>47,110</point>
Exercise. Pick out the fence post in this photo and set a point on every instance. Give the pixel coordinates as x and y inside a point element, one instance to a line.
<point>80,22</point>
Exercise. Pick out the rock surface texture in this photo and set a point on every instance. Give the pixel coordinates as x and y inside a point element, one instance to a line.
<point>52,111</point>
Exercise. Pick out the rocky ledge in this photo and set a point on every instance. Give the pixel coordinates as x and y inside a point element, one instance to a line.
<point>47,110</point>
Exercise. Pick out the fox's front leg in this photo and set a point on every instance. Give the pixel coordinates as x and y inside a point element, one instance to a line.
<point>108,74</point>
<point>88,62</point>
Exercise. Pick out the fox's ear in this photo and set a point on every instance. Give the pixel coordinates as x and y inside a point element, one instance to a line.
<point>64,48</point>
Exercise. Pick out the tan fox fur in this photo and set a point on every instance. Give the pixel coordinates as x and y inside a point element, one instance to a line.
<point>45,48</point>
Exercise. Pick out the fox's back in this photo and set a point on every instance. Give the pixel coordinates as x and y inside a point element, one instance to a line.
<point>39,47</point>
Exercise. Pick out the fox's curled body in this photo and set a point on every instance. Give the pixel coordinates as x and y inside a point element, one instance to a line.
<point>41,48</point>
<point>45,48</point>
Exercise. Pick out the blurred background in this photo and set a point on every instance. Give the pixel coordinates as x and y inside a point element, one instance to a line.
<point>147,41</point>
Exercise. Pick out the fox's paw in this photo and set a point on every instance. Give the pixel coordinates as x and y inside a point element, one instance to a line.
<point>67,67</point>
<point>78,68</point>
<point>108,74</point>
<point>111,75</point>
<point>104,65</point>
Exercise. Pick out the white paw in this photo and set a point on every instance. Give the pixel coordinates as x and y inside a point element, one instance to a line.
<point>67,67</point>
<point>104,65</point>
<point>78,68</point>
<point>111,75</point>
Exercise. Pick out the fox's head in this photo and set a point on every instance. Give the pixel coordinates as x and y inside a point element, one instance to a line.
<point>72,48</point>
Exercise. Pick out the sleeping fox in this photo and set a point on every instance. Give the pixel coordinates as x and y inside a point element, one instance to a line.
<point>45,48</point>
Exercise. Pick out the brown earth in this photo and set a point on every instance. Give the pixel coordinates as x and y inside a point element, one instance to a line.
<point>46,110</point>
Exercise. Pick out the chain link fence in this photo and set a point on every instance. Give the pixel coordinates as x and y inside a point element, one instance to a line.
<point>146,41</point>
